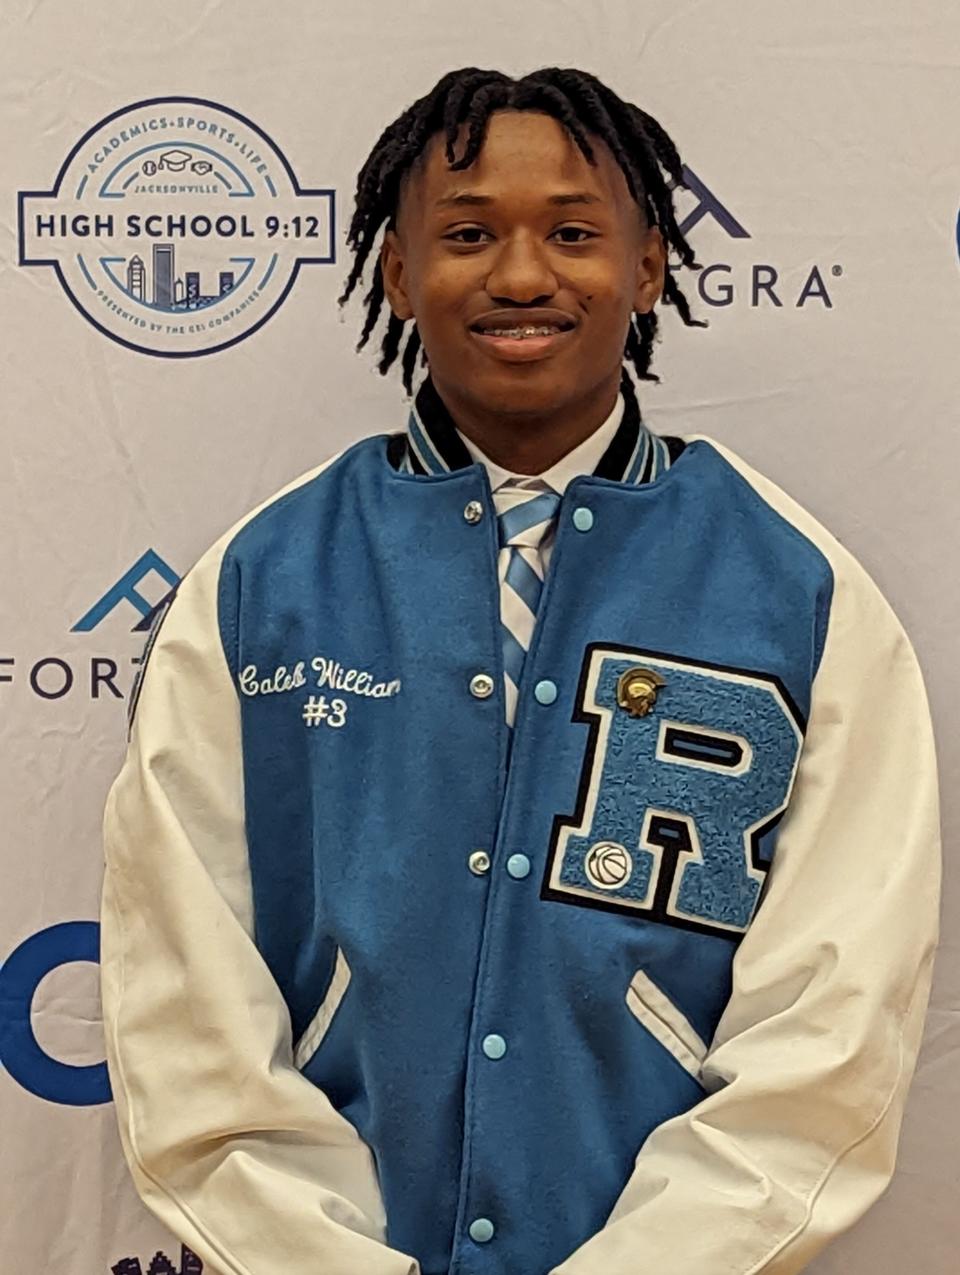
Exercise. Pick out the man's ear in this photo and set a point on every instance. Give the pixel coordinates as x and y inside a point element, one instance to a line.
<point>651,270</point>
<point>392,267</point>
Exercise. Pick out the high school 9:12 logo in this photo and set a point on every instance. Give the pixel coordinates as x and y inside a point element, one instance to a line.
<point>176,227</point>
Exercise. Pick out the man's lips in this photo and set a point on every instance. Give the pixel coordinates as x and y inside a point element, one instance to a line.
<point>523,349</point>
<point>491,331</point>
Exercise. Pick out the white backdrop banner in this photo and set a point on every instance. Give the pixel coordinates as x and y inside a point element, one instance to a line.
<point>176,180</point>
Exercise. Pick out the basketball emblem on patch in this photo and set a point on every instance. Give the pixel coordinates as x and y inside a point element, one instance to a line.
<point>637,690</point>
<point>607,865</point>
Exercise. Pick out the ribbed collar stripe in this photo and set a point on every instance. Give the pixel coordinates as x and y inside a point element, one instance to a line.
<point>423,450</point>
<point>638,461</point>
<point>433,436</point>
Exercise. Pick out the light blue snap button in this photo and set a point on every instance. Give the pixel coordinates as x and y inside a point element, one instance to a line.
<point>582,518</point>
<point>481,1230</point>
<point>545,691</point>
<point>518,865</point>
<point>494,1046</point>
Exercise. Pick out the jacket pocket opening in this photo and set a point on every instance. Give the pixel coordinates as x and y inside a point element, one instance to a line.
<point>666,1023</point>
<point>319,1025</point>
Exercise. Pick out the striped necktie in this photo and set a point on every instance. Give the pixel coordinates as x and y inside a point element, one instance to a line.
<point>523,519</point>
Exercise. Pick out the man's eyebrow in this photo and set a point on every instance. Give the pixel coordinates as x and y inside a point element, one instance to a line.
<point>466,199</point>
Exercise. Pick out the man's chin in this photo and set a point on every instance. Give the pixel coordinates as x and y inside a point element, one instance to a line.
<point>518,389</point>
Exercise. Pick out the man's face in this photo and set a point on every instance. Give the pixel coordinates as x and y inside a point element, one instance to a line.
<point>473,247</point>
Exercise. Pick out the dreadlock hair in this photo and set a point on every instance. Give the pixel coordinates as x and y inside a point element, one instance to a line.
<point>582,104</point>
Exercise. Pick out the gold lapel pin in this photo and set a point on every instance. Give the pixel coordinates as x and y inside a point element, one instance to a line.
<point>637,690</point>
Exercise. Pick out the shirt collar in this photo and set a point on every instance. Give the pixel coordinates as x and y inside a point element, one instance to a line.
<point>632,454</point>
<point>582,459</point>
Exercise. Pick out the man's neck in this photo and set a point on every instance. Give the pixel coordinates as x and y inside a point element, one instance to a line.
<point>525,443</point>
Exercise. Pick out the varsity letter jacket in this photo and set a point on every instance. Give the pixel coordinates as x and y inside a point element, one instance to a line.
<point>647,999</point>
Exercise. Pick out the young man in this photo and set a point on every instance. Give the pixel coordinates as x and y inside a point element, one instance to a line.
<point>526,858</point>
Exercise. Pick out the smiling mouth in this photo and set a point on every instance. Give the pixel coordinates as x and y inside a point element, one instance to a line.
<point>526,344</point>
<point>522,332</point>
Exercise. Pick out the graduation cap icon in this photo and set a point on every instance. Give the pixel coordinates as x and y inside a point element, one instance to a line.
<point>175,160</point>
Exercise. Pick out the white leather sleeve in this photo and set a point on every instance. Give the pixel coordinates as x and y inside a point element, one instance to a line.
<point>243,1158</point>
<point>809,1068</point>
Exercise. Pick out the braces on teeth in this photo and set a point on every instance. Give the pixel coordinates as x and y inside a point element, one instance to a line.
<point>521,332</point>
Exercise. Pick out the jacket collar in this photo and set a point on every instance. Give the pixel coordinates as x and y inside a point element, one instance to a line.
<point>433,445</point>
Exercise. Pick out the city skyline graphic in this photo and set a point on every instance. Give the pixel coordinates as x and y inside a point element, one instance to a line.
<point>160,1264</point>
<point>168,292</point>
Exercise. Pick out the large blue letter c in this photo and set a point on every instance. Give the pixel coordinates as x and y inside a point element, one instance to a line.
<point>20,1052</point>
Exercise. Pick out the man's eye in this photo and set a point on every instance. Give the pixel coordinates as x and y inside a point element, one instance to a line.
<point>466,230</point>
<point>575,230</point>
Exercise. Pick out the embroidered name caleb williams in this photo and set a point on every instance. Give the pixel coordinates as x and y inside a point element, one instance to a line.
<point>329,673</point>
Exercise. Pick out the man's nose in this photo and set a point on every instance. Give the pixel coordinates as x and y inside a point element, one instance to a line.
<point>521,272</point>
